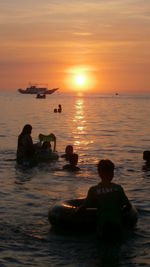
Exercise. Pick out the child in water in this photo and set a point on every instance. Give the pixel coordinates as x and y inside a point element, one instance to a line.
<point>73,161</point>
<point>109,198</point>
<point>68,152</point>
<point>46,147</point>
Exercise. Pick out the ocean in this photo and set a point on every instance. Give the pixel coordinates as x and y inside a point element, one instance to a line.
<point>99,127</point>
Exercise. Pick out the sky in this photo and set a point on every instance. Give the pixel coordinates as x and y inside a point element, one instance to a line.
<point>82,45</point>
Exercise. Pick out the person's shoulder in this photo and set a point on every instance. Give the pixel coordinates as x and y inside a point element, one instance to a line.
<point>117,186</point>
<point>93,188</point>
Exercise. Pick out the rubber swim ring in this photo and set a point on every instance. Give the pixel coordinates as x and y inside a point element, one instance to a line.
<point>43,157</point>
<point>63,215</point>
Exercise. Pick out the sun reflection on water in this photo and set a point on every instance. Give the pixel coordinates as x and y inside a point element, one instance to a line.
<point>80,131</point>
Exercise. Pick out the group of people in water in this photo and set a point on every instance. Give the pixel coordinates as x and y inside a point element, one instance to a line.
<point>109,197</point>
<point>59,109</point>
<point>27,152</point>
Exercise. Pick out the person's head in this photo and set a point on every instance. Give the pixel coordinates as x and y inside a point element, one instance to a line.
<point>106,170</point>
<point>73,159</point>
<point>27,129</point>
<point>46,145</point>
<point>69,149</point>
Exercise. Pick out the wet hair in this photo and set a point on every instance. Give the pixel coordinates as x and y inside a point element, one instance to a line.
<point>26,129</point>
<point>69,149</point>
<point>73,159</point>
<point>106,167</point>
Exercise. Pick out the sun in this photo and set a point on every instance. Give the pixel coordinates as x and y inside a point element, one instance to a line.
<point>80,80</point>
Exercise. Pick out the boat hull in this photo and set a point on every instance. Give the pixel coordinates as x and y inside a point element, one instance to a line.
<point>38,91</point>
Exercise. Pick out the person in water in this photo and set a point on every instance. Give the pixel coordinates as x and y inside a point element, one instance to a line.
<point>59,108</point>
<point>46,147</point>
<point>68,152</point>
<point>146,156</point>
<point>109,198</point>
<point>73,161</point>
<point>25,147</point>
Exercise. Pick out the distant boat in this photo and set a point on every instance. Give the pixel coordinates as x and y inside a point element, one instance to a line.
<point>41,96</point>
<point>34,89</point>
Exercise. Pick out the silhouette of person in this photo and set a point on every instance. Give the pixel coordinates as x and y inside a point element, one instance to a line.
<point>73,161</point>
<point>109,198</point>
<point>59,108</point>
<point>68,152</point>
<point>25,147</point>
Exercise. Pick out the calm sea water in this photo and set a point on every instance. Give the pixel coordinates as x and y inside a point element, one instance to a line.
<point>114,127</point>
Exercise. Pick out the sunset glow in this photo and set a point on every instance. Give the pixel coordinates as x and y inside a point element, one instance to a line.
<point>100,46</point>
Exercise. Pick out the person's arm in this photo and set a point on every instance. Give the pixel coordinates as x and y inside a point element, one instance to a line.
<point>87,202</point>
<point>125,201</point>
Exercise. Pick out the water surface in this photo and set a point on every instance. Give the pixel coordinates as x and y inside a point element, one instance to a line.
<point>114,127</point>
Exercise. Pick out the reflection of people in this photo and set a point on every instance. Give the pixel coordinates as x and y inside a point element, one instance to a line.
<point>68,152</point>
<point>109,198</point>
<point>25,148</point>
<point>73,161</point>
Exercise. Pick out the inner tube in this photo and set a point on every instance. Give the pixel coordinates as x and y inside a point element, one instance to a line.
<point>43,157</point>
<point>63,215</point>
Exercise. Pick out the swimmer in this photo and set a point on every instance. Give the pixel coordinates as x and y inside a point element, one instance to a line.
<point>73,161</point>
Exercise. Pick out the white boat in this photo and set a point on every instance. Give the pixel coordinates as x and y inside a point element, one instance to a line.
<point>34,89</point>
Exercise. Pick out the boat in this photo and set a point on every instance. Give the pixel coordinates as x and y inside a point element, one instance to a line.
<point>35,89</point>
<point>41,96</point>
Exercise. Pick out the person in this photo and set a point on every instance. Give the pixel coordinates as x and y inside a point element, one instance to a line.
<point>25,147</point>
<point>73,161</point>
<point>59,108</point>
<point>146,156</point>
<point>46,147</point>
<point>109,198</point>
<point>68,152</point>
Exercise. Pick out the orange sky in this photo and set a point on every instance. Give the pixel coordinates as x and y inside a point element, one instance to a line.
<point>53,41</point>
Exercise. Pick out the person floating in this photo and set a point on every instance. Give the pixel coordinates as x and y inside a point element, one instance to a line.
<point>109,198</point>
<point>73,161</point>
<point>25,147</point>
